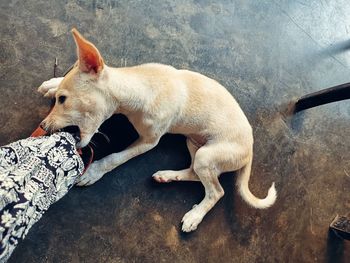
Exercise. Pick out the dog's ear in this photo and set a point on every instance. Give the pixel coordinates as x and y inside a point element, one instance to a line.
<point>89,57</point>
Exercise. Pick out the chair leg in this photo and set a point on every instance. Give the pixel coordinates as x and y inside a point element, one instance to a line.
<point>336,93</point>
<point>341,226</point>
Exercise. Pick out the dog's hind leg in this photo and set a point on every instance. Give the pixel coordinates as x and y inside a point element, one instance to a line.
<point>182,175</point>
<point>210,161</point>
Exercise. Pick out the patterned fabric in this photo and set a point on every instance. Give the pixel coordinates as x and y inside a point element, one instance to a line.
<point>34,173</point>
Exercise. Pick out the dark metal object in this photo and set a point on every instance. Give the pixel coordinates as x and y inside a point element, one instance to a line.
<point>341,227</point>
<point>69,69</point>
<point>336,93</point>
<point>55,67</point>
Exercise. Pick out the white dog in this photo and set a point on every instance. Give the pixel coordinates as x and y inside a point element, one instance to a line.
<point>158,99</point>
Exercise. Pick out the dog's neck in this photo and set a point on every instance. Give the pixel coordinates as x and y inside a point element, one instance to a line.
<point>128,92</point>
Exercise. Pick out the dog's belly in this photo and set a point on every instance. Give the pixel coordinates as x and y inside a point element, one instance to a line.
<point>196,137</point>
<point>197,140</point>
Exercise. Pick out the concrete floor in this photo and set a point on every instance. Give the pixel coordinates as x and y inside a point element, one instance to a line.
<point>267,53</point>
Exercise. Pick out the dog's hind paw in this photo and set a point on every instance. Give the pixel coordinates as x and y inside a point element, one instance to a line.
<point>92,175</point>
<point>191,220</point>
<point>164,176</point>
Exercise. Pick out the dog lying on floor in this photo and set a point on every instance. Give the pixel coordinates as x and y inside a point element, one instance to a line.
<point>158,99</point>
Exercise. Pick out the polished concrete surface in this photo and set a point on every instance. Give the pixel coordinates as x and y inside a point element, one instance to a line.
<point>266,53</point>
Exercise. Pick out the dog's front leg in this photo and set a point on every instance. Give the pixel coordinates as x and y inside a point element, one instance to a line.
<point>48,88</point>
<point>108,163</point>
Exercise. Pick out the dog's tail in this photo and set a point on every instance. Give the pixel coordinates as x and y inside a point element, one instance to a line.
<point>242,184</point>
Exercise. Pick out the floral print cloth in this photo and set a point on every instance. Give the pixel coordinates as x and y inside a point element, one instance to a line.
<point>34,173</point>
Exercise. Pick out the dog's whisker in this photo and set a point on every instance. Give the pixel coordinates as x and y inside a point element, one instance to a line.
<point>93,143</point>
<point>105,136</point>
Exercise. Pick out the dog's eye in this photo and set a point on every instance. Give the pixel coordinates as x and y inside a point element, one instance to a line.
<point>62,99</point>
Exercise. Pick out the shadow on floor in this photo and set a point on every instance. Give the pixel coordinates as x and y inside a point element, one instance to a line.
<point>335,248</point>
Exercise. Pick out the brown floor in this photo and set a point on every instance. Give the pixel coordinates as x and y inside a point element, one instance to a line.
<point>267,53</point>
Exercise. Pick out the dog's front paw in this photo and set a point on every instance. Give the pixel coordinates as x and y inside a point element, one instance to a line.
<point>93,174</point>
<point>191,220</point>
<point>48,88</point>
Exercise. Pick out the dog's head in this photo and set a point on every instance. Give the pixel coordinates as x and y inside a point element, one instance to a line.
<point>81,99</point>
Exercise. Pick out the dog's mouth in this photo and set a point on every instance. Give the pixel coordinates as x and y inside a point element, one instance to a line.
<point>74,130</point>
